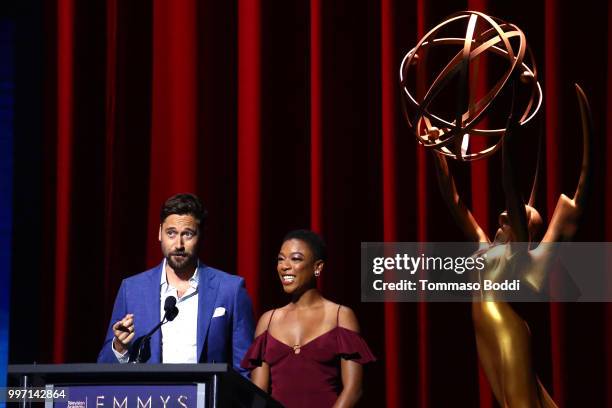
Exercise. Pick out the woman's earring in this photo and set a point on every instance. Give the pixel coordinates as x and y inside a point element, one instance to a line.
<point>317,273</point>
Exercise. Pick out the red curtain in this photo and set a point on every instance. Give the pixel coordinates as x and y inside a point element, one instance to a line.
<point>283,115</point>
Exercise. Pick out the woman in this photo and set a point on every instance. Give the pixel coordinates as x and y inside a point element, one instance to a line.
<point>309,352</point>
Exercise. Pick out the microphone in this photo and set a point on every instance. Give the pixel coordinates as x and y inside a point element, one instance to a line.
<point>141,352</point>
<point>170,308</point>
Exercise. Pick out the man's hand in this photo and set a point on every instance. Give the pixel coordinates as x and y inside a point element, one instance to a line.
<point>124,333</point>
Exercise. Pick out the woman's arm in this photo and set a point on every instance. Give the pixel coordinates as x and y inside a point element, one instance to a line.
<point>352,378</point>
<point>260,376</point>
<point>351,372</point>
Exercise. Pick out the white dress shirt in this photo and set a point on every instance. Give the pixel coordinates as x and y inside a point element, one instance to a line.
<point>179,338</point>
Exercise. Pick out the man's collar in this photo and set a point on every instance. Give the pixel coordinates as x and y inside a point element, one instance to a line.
<point>193,281</point>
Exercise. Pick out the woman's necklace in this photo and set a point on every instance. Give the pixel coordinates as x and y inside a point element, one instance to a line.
<point>296,348</point>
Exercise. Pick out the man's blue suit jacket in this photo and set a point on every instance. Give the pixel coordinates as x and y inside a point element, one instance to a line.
<point>220,339</point>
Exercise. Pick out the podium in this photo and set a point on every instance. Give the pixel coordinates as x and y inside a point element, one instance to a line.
<point>138,386</point>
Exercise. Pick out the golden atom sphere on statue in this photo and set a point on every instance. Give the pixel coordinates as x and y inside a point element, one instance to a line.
<point>462,81</point>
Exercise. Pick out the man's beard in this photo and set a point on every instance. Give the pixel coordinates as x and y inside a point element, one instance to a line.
<point>183,261</point>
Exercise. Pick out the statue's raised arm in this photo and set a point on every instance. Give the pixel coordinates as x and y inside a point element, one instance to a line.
<point>515,206</point>
<point>565,218</point>
<point>461,213</point>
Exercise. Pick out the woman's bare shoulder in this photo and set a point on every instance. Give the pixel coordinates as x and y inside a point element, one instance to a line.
<point>342,315</point>
<point>264,320</point>
<point>348,319</point>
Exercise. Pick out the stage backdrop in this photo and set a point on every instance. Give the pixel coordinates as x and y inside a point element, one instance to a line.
<point>282,115</point>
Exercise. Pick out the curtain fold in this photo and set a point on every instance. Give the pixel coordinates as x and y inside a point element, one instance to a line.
<point>174,153</point>
<point>389,194</point>
<point>553,174</point>
<point>249,135</point>
<point>479,183</point>
<point>316,117</point>
<point>65,85</point>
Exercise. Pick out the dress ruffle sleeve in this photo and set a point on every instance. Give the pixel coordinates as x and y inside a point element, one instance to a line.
<point>351,346</point>
<point>255,354</point>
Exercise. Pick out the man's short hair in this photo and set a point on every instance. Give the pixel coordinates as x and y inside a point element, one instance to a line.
<point>184,204</point>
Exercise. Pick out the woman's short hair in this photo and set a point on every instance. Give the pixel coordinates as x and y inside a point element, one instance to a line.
<point>312,239</point>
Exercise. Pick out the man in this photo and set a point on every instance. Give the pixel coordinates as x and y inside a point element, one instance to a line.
<point>215,319</point>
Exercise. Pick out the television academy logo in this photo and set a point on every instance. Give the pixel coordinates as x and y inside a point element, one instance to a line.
<point>102,401</point>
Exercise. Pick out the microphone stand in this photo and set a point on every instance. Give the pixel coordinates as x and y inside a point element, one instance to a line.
<point>139,356</point>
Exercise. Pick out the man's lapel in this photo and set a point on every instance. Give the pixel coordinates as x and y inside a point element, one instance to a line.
<point>151,296</point>
<point>208,289</point>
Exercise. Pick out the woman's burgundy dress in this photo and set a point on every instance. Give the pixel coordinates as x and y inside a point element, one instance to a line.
<point>310,375</point>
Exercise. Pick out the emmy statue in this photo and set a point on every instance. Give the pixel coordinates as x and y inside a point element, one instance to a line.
<point>502,336</point>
